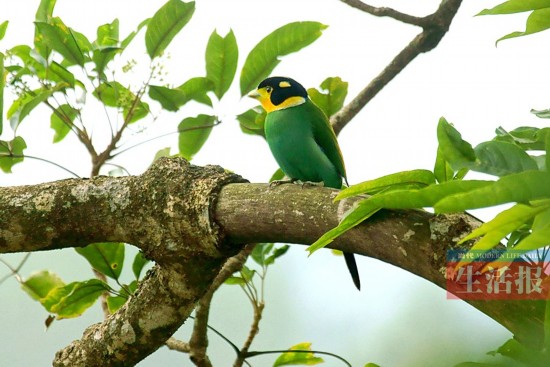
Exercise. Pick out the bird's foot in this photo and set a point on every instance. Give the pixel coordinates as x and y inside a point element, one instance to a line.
<point>276,183</point>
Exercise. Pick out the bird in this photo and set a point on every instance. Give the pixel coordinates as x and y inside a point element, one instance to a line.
<point>302,140</point>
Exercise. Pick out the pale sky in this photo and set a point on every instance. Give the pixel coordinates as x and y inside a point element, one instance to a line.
<point>397,318</point>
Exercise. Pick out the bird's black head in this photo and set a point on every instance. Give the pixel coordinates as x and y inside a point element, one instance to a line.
<point>279,92</point>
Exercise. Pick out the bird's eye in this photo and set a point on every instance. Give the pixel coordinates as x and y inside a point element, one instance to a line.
<point>268,89</point>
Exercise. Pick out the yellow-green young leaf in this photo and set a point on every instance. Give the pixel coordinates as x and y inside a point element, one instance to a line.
<point>233,280</point>
<point>221,58</point>
<point>519,188</point>
<point>61,121</point>
<point>516,6</point>
<point>418,178</point>
<point>265,56</point>
<point>330,97</point>
<point>11,153</point>
<point>304,358</point>
<point>538,21</point>
<point>105,257</point>
<point>540,233</point>
<point>194,132</point>
<point>73,299</point>
<point>166,24</point>
<point>458,152</point>
<point>38,285</point>
<point>3,27</point>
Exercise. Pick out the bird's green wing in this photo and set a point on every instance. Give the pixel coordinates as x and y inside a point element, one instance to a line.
<point>325,137</point>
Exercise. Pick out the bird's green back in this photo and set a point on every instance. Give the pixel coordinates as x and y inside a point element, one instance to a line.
<point>305,145</point>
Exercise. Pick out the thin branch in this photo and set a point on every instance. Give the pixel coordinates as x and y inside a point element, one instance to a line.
<point>437,25</point>
<point>387,12</point>
<point>199,339</point>
<point>177,345</point>
<point>41,160</point>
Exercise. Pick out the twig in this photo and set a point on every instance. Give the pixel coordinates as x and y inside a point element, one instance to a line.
<point>177,345</point>
<point>386,12</point>
<point>435,27</point>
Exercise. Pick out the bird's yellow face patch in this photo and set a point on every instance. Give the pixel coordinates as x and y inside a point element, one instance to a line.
<point>264,96</point>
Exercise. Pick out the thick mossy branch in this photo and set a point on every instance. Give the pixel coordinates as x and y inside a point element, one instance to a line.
<point>413,240</point>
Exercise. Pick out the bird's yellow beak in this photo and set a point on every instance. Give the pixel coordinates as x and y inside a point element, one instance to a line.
<point>254,94</point>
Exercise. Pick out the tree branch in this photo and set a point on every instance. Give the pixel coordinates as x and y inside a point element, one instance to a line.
<point>387,12</point>
<point>435,26</point>
<point>191,219</point>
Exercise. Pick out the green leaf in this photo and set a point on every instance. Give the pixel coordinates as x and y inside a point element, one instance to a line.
<point>526,137</point>
<point>106,46</point>
<point>61,121</point>
<point>275,254</point>
<point>364,210</point>
<point>516,6</point>
<point>260,252</point>
<point>277,175</point>
<point>193,134</point>
<point>126,41</point>
<point>419,178</point>
<point>58,73</point>
<point>44,13</point>
<point>166,24</point>
<point>519,188</point>
<point>501,158</point>
<point>264,57</point>
<point>538,21</point>
<point>74,298</point>
<point>11,153</point>
<point>45,10</point>
<point>114,94</point>
<point>61,39</point>
<point>114,303</point>
<point>38,285</point>
<point>196,89</point>
<point>457,152</point>
<point>292,358</point>
<point>2,85</point>
<point>138,264</point>
<point>24,105</point>
<point>252,122</point>
<point>169,99</point>
<point>105,257</point>
<point>247,273</point>
<point>442,169</point>
<point>3,27</point>
<point>221,57</point>
<point>233,280</point>
<point>330,98</point>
